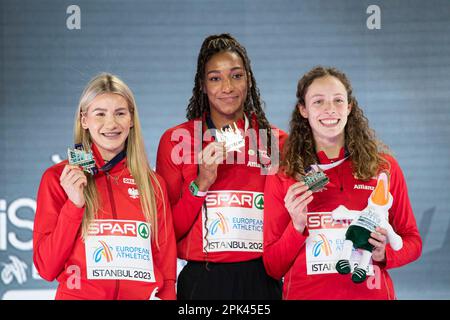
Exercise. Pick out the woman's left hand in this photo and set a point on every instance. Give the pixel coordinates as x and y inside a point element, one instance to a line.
<point>378,240</point>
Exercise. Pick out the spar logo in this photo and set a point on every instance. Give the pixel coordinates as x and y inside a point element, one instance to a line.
<point>321,220</point>
<point>219,223</point>
<point>103,252</point>
<point>112,228</point>
<point>321,245</point>
<point>143,230</point>
<point>229,199</point>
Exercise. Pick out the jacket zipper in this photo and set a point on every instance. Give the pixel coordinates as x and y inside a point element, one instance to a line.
<point>114,214</point>
<point>341,179</point>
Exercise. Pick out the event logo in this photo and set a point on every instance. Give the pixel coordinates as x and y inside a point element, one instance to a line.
<point>103,251</point>
<point>15,269</point>
<point>220,222</point>
<point>321,245</point>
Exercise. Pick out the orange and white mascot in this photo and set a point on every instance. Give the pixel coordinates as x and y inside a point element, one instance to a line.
<point>364,222</point>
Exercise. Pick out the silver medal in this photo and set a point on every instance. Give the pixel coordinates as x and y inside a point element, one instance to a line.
<point>81,158</point>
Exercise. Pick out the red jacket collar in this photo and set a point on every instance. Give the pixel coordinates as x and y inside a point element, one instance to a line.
<point>323,159</point>
<point>240,123</point>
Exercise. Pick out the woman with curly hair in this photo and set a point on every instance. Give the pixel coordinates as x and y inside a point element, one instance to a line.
<point>216,189</point>
<point>302,242</point>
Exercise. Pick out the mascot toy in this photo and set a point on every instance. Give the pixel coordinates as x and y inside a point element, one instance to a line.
<point>364,222</point>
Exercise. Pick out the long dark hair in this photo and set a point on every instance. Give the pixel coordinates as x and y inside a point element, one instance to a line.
<point>360,140</point>
<point>199,104</point>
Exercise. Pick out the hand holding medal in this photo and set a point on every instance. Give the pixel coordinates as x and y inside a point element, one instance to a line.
<point>209,159</point>
<point>299,195</point>
<point>73,179</point>
<point>297,198</point>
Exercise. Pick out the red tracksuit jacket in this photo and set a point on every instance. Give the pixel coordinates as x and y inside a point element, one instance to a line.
<point>187,208</point>
<point>287,253</point>
<point>59,251</point>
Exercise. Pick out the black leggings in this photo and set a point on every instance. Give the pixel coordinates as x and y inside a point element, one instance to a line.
<point>224,281</point>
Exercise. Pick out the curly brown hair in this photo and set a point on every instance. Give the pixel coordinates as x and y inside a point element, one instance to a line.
<point>360,141</point>
<point>199,103</point>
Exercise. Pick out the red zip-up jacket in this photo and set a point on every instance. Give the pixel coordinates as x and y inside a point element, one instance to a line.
<point>59,251</point>
<point>285,252</point>
<point>186,208</point>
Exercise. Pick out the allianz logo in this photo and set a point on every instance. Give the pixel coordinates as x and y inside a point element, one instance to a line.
<point>363,187</point>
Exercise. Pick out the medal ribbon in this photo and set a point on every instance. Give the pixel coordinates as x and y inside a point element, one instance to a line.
<point>108,166</point>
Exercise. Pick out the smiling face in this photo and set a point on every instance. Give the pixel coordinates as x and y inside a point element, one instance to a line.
<point>108,120</point>
<point>226,83</point>
<point>326,108</point>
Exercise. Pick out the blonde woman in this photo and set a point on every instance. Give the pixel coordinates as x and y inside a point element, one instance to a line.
<point>107,235</point>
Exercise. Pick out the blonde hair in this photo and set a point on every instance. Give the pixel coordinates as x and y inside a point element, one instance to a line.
<point>137,161</point>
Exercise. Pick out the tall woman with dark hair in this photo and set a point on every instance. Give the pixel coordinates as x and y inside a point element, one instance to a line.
<point>301,240</point>
<point>215,187</point>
